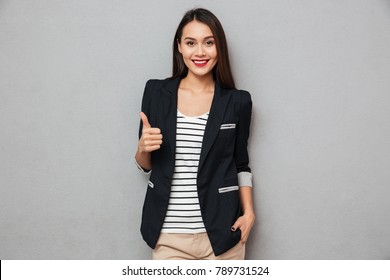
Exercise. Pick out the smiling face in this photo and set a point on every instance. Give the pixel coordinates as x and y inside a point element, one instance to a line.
<point>197,46</point>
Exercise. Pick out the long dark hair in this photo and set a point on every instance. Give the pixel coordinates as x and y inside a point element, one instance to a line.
<point>221,71</point>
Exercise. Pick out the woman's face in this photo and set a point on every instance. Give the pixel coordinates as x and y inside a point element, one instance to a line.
<point>197,46</point>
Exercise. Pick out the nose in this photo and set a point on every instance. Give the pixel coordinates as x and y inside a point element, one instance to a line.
<point>200,51</point>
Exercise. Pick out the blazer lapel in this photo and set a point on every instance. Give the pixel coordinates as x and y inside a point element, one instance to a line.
<point>169,106</point>
<point>217,112</point>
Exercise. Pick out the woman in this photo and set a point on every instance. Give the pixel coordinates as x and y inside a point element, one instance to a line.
<point>193,142</point>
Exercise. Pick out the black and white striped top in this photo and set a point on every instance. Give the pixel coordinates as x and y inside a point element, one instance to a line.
<point>183,215</point>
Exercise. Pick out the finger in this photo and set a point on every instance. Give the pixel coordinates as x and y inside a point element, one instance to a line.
<point>237,224</point>
<point>244,235</point>
<point>151,138</point>
<point>145,121</point>
<point>152,142</point>
<point>155,131</point>
<point>152,148</point>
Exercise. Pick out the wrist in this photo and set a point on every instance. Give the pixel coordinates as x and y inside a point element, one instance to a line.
<point>141,151</point>
<point>249,213</point>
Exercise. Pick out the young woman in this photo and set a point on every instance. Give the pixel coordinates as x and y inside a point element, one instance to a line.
<point>193,141</point>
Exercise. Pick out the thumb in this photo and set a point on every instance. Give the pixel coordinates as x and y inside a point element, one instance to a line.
<point>145,120</point>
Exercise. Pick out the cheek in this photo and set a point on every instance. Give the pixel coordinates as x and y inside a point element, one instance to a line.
<point>186,53</point>
<point>214,63</point>
<point>187,59</point>
<point>213,53</point>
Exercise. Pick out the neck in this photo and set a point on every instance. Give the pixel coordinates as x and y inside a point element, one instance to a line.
<point>198,82</point>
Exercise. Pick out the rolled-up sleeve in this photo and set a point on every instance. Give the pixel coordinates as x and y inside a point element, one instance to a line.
<point>245,179</point>
<point>241,147</point>
<point>145,171</point>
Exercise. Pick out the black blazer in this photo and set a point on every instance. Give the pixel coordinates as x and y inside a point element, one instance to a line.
<point>223,155</point>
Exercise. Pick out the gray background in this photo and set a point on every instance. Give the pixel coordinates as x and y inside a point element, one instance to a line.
<point>72,75</point>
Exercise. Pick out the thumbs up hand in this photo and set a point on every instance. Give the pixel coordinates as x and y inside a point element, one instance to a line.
<point>151,138</point>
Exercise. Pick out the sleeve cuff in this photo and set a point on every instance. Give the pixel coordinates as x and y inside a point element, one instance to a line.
<point>145,171</point>
<point>245,179</point>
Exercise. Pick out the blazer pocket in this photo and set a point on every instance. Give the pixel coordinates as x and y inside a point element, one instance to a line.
<point>228,189</point>
<point>228,126</point>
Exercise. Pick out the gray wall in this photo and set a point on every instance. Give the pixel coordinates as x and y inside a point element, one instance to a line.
<point>71,79</point>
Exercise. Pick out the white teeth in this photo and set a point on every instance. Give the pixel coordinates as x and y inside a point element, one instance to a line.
<point>200,61</point>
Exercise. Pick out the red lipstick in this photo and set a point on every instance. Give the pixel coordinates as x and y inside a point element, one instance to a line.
<point>200,63</point>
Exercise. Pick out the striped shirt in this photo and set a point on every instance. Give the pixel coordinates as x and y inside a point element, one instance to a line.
<point>183,215</point>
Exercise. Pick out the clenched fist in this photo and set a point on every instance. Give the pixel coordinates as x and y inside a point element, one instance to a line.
<point>151,138</point>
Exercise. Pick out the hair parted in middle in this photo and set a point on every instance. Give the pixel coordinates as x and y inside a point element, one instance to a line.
<point>221,71</point>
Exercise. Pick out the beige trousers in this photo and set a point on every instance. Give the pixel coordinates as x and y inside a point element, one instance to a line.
<point>177,246</point>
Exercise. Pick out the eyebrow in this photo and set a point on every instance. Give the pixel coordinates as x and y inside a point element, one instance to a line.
<point>205,38</point>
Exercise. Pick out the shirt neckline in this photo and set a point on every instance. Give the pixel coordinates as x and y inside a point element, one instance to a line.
<point>192,117</point>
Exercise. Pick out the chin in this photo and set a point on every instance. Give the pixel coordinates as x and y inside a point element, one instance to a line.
<point>200,72</point>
